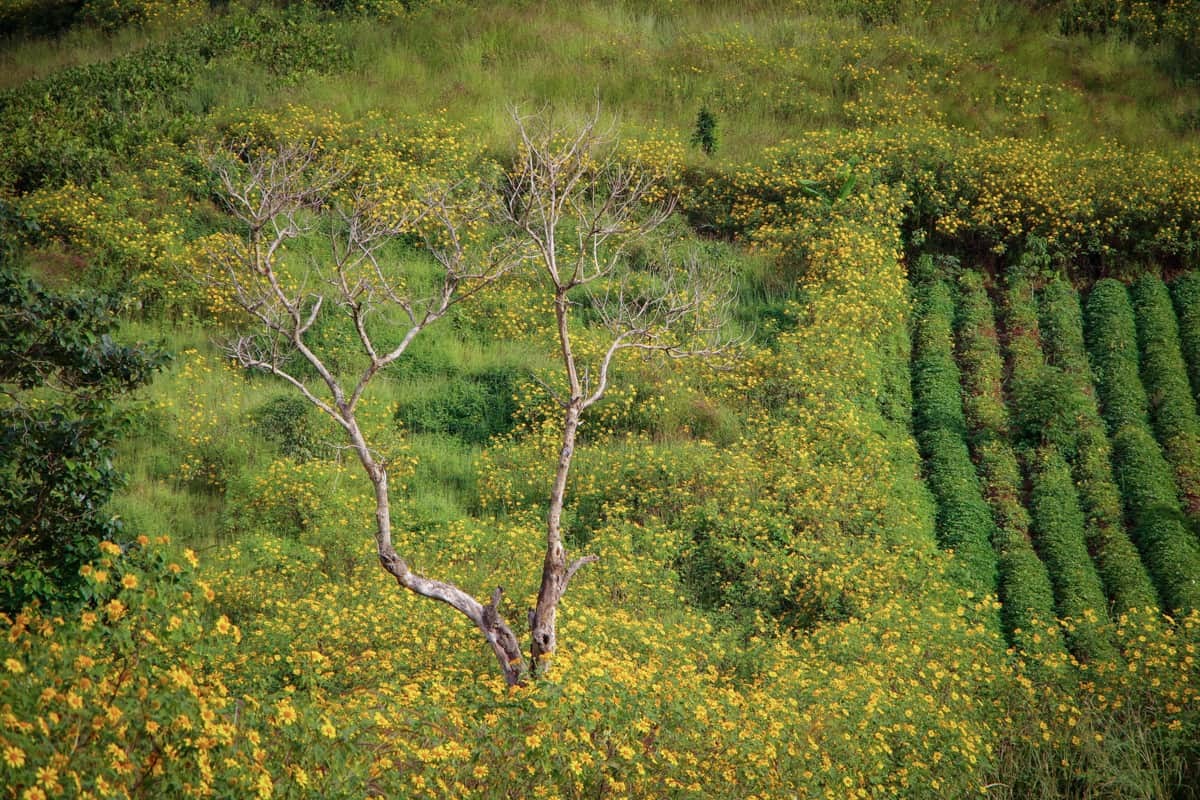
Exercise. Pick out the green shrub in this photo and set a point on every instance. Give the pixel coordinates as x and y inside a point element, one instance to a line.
<point>60,377</point>
<point>86,122</point>
<point>1173,26</point>
<point>111,15</point>
<point>1170,550</point>
<point>473,408</point>
<point>704,135</point>
<point>289,422</point>
<point>1126,581</point>
<point>1059,534</point>
<point>1172,407</point>
<point>38,17</point>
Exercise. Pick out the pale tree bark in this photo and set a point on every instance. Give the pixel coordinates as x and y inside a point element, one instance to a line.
<point>582,208</point>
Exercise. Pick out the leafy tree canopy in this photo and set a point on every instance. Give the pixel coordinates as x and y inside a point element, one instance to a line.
<point>60,371</point>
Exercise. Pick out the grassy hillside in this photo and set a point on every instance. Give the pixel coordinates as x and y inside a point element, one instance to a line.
<point>930,531</point>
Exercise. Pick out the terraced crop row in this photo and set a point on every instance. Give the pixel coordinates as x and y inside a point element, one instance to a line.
<point>1126,582</point>
<point>964,521</point>
<point>1057,522</point>
<point>1172,407</point>
<point>1156,521</point>
<point>1069,442</point>
<point>1026,595</point>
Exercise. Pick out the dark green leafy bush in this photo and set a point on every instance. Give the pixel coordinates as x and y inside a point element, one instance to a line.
<point>59,375</point>
<point>473,408</point>
<point>704,135</point>
<point>289,422</point>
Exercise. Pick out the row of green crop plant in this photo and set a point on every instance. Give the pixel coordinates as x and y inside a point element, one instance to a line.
<point>1103,547</point>
<point>1087,515</point>
<point>1028,610</point>
<point>1045,568</point>
<point>1159,526</point>
<point>1172,407</point>
<point>964,520</point>
<point>1058,522</point>
<point>1069,543</point>
<point>1185,291</point>
<point>1071,419</point>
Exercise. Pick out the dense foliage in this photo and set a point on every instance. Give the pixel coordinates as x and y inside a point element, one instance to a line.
<point>59,374</point>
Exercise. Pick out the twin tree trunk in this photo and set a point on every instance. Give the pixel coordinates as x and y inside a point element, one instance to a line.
<point>556,572</point>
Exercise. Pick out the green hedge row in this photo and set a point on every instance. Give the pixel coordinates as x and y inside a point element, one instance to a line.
<point>1169,548</point>
<point>1026,595</point>
<point>1185,291</point>
<point>1172,408</point>
<point>1126,581</point>
<point>964,522</point>
<point>1059,532</point>
<point>1045,424</point>
<point>1111,336</point>
<point>1147,481</point>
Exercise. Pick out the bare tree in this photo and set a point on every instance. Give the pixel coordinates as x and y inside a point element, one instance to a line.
<point>282,193</point>
<point>568,204</point>
<point>582,209</point>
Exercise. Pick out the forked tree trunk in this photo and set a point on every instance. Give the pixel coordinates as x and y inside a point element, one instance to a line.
<point>556,572</point>
<point>487,618</point>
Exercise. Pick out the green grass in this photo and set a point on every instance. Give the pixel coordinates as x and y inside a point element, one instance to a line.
<point>655,69</point>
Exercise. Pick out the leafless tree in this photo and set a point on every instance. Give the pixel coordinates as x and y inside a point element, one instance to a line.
<point>583,208</point>
<point>568,204</point>
<point>281,193</point>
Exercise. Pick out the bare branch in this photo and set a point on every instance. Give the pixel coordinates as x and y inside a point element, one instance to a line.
<point>289,191</point>
<point>246,354</point>
<point>575,566</point>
